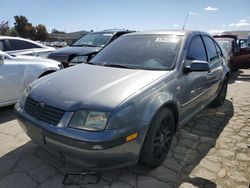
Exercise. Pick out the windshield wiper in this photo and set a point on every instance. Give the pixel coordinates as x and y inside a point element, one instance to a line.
<point>88,45</point>
<point>88,62</point>
<point>118,66</point>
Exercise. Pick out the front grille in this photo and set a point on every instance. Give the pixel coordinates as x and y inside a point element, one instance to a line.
<point>60,58</point>
<point>43,112</point>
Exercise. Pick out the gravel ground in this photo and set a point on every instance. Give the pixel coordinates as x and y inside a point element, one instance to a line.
<point>213,150</point>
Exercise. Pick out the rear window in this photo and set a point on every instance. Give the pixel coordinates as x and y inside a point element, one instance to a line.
<point>154,52</point>
<point>225,44</point>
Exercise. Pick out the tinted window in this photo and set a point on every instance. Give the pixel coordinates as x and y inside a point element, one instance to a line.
<point>21,45</point>
<point>155,52</point>
<point>219,52</point>
<point>197,50</point>
<point>211,50</point>
<point>2,45</point>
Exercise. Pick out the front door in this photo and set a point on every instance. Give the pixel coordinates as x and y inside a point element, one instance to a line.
<point>194,83</point>
<point>11,80</point>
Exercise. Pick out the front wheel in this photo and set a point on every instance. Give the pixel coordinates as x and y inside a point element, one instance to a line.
<point>221,97</point>
<point>158,139</point>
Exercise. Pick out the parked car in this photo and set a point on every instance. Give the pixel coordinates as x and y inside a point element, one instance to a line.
<point>237,48</point>
<point>85,47</point>
<point>20,46</point>
<point>127,102</point>
<point>17,72</point>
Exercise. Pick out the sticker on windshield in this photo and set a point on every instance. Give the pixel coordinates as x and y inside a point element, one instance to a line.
<point>107,34</point>
<point>166,39</point>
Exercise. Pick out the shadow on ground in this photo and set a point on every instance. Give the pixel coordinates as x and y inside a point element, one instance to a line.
<point>239,76</point>
<point>191,144</point>
<point>31,166</point>
<point>6,114</point>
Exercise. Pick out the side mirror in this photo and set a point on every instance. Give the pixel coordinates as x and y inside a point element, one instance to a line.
<point>197,66</point>
<point>1,59</point>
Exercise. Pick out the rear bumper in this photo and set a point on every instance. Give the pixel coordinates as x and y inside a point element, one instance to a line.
<point>96,154</point>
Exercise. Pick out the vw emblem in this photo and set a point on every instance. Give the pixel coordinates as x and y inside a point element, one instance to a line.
<point>39,109</point>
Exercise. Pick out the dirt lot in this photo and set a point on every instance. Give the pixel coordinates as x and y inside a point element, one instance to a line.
<point>213,150</point>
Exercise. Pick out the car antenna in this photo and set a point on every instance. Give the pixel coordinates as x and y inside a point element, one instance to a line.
<point>184,25</point>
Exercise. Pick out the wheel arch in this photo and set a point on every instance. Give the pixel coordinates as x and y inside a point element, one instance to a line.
<point>46,73</point>
<point>173,107</point>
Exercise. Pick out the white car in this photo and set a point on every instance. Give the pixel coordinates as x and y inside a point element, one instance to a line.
<point>20,46</point>
<point>17,72</point>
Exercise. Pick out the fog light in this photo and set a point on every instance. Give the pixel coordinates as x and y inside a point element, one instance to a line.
<point>132,137</point>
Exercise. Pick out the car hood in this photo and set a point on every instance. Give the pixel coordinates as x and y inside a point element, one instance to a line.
<point>74,51</point>
<point>25,59</point>
<point>91,87</point>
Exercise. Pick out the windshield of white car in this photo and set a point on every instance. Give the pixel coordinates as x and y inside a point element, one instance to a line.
<point>94,40</point>
<point>150,52</point>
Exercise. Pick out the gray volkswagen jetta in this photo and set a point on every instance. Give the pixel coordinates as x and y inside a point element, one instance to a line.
<point>126,103</point>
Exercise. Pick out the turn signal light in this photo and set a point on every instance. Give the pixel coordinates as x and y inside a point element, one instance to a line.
<point>132,137</point>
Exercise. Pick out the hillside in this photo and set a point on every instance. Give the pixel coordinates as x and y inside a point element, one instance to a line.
<point>243,34</point>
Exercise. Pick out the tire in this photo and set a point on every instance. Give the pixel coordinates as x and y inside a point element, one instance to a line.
<point>221,97</point>
<point>158,139</point>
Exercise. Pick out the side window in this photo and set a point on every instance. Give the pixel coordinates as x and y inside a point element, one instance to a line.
<point>243,43</point>
<point>2,45</point>
<point>218,49</point>
<point>211,50</point>
<point>21,45</point>
<point>197,50</point>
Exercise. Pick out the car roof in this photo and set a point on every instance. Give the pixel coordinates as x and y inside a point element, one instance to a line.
<point>18,38</point>
<point>114,31</point>
<point>23,39</point>
<point>168,32</point>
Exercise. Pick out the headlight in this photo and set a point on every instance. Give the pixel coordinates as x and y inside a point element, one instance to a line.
<point>89,120</point>
<point>78,59</point>
<point>24,96</point>
<point>60,66</point>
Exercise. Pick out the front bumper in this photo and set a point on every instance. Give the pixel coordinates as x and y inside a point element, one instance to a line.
<point>113,151</point>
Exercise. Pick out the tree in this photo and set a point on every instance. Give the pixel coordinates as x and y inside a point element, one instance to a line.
<point>4,28</point>
<point>41,32</point>
<point>13,32</point>
<point>23,27</point>
<point>55,31</point>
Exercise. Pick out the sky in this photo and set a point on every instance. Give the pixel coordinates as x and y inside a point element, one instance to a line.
<point>75,15</point>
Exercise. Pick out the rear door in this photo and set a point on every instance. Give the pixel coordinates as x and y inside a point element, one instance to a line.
<point>216,60</point>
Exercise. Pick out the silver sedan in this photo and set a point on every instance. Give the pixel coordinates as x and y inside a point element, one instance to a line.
<point>17,72</point>
<point>126,103</point>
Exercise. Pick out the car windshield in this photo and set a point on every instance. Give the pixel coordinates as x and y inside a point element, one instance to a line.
<point>226,44</point>
<point>152,52</point>
<point>94,39</point>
